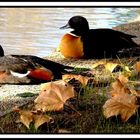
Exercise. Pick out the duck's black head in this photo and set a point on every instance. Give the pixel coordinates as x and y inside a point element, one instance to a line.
<point>78,23</point>
<point>1,51</point>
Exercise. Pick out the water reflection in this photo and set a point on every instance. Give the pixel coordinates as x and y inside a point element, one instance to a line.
<point>36,30</point>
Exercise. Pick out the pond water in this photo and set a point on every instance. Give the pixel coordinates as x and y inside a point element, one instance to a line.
<point>36,30</point>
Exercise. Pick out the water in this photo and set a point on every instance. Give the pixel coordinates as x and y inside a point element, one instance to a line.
<point>36,30</point>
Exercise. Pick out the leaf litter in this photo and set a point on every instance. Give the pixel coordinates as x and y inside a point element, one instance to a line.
<point>123,99</point>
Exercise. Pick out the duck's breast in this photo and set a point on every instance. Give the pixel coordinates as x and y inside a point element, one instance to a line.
<point>71,46</point>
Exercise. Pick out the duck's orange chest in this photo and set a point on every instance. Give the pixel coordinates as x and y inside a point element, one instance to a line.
<point>71,46</point>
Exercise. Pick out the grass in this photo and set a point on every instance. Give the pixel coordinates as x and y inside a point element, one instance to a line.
<point>27,94</point>
<point>89,102</point>
<point>91,120</point>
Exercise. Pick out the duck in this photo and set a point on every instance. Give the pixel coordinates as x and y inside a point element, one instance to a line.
<point>29,69</point>
<point>98,43</point>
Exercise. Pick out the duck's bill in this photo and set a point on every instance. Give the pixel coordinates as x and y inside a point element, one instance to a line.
<point>65,27</point>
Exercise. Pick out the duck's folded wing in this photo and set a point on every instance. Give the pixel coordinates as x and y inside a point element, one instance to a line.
<point>9,62</point>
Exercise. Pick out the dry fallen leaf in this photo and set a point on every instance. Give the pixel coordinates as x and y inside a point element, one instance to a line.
<point>137,66</point>
<point>123,79</point>
<point>41,119</point>
<point>83,79</point>
<point>109,66</point>
<point>53,96</point>
<point>44,86</point>
<point>119,86</point>
<point>26,117</point>
<point>123,100</point>
<point>124,105</point>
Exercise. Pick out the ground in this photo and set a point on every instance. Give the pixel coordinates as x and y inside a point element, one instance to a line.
<point>90,100</point>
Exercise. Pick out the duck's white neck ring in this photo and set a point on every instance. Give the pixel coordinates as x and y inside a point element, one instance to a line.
<point>73,34</point>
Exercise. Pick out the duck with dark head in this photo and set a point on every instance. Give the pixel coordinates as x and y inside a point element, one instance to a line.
<point>84,42</point>
<point>29,69</point>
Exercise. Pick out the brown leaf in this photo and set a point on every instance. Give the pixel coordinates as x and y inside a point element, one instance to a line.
<point>53,96</point>
<point>109,66</point>
<point>26,117</point>
<point>41,119</point>
<point>124,105</point>
<point>137,66</point>
<point>119,86</point>
<point>83,79</point>
<point>123,79</point>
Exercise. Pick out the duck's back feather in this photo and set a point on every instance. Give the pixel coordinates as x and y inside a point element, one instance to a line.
<point>104,43</point>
